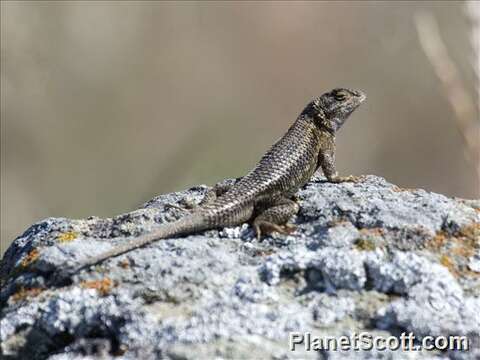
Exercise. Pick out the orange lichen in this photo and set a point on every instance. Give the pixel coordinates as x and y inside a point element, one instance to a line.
<point>124,263</point>
<point>24,293</point>
<point>103,286</point>
<point>438,241</point>
<point>467,240</point>
<point>449,264</point>
<point>455,249</point>
<point>67,236</point>
<point>471,233</point>
<point>463,250</point>
<point>30,258</point>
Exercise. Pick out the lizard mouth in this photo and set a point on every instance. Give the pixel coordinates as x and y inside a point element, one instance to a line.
<point>361,96</point>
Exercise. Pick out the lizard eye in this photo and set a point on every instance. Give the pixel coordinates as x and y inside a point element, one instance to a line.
<point>340,95</point>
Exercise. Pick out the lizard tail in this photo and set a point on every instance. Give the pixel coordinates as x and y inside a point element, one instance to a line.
<point>186,225</point>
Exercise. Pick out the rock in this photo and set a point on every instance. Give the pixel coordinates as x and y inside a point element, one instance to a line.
<point>366,257</point>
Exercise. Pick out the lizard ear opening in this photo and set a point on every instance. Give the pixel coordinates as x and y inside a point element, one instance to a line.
<point>318,111</point>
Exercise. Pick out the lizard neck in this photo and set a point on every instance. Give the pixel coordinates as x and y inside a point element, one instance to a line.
<point>325,128</point>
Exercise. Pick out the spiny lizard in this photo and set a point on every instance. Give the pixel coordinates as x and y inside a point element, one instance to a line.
<point>266,194</point>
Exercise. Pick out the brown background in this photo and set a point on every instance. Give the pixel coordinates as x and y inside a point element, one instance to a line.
<point>105,105</point>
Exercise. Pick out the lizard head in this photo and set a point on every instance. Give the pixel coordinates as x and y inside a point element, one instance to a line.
<point>332,108</point>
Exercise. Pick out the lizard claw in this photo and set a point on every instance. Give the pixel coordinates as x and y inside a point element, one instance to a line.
<point>173,206</point>
<point>350,178</point>
<point>258,232</point>
<point>357,178</point>
<point>289,228</point>
<point>186,205</point>
<point>269,228</point>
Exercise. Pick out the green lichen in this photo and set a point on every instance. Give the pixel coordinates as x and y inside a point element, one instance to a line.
<point>365,244</point>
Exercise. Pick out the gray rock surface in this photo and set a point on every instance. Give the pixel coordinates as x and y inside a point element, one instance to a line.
<point>366,257</point>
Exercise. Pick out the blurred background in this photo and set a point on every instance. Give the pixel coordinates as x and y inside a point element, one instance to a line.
<point>105,105</point>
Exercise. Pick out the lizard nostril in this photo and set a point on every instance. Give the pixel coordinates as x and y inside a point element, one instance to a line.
<point>359,94</point>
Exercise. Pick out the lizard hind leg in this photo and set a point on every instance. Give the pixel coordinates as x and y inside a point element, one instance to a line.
<point>275,217</point>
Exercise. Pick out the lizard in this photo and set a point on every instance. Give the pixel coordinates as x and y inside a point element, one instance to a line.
<point>266,194</point>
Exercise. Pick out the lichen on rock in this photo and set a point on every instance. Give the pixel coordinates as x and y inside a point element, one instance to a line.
<point>366,256</point>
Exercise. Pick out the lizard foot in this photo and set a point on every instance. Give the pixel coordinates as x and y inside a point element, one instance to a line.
<point>350,178</point>
<point>185,205</point>
<point>173,206</point>
<point>266,227</point>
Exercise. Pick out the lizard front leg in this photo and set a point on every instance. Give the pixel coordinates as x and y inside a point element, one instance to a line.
<point>327,163</point>
<point>275,217</point>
